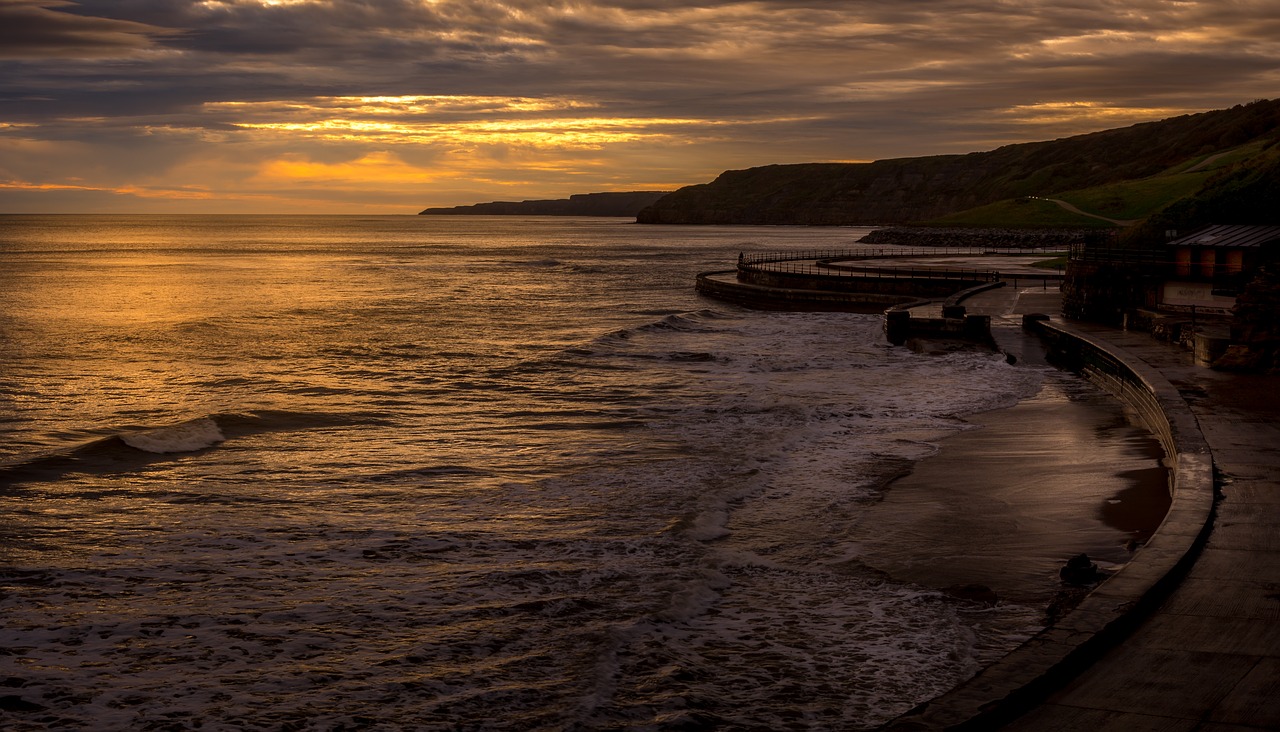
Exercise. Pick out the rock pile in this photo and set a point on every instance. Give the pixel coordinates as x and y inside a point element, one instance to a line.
<point>919,236</point>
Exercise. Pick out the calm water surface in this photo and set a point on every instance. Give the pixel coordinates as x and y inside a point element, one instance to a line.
<point>455,473</point>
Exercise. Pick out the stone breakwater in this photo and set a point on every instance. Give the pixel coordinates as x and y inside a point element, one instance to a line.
<point>916,236</point>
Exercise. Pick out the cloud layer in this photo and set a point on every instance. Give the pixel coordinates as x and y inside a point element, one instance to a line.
<point>393,105</point>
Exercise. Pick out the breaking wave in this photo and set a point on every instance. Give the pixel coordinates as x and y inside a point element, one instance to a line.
<point>189,436</point>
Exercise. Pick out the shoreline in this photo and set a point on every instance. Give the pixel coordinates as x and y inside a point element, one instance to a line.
<point>1003,505</point>
<point>1110,613</point>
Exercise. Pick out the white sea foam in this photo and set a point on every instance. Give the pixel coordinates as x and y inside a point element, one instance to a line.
<point>189,436</point>
<point>708,525</point>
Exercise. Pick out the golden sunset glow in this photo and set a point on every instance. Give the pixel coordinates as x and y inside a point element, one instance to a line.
<point>332,106</point>
<point>1076,112</point>
<point>585,133</point>
<point>25,186</point>
<point>401,105</point>
<point>372,169</point>
<point>450,119</point>
<point>127,190</point>
<point>216,4</point>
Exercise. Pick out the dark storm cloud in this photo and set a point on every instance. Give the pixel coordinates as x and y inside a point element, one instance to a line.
<point>35,29</point>
<point>675,54</point>
<point>695,86</point>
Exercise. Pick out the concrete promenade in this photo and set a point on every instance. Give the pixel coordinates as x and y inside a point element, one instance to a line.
<point>1207,657</point>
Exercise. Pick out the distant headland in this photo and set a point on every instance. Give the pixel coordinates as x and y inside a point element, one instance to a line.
<point>1176,174</point>
<point>629,203</point>
<point>1107,179</point>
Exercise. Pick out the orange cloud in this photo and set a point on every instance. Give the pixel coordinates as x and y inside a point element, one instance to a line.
<point>548,124</point>
<point>181,193</point>
<point>375,168</point>
<point>1088,112</point>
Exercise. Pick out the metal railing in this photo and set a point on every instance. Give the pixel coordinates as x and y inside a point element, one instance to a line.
<point>893,252</point>
<point>821,269</point>
<point>1086,252</point>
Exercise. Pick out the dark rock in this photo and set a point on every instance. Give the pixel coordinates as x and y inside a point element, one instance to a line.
<point>1079,571</point>
<point>978,238</point>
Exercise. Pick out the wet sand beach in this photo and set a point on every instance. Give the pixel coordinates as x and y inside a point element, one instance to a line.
<point>1007,503</point>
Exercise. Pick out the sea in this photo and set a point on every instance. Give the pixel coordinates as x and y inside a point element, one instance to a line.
<point>461,473</point>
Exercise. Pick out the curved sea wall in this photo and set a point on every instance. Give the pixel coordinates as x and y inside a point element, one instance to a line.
<point>900,284</point>
<point>725,286</point>
<point>1019,681</point>
<point>787,282</point>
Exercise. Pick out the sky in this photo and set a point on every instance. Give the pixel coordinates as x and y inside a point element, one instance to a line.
<point>391,106</point>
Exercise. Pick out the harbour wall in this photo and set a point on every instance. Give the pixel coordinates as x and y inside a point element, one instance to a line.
<point>900,283</point>
<point>725,286</point>
<point>954,322</point>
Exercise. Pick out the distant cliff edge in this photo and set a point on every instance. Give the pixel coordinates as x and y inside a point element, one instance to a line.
<point>584,204</point>
<point>908,190</point>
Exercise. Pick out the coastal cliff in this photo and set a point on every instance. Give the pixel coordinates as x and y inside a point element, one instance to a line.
<point>920,189</point>
<point>624,204</point>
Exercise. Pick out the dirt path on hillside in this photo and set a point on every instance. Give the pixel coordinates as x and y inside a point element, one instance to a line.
<point>1073,209</point>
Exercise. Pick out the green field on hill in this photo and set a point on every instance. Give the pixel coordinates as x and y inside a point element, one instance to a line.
<point>1128,200</point>
<point>1121,175</point>
<point>1020,213</point>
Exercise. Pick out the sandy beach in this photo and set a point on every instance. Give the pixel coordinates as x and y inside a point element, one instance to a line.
<point>1007,503</point>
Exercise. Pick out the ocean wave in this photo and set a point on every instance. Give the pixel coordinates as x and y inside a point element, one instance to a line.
<point>691,321</point>
<point>683,322</point>
<point>134,447</point>
<point>428,472</point>
<point>189,436</point>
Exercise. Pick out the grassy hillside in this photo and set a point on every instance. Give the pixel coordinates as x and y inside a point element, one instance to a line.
<point>1247,192</point>
<point>1123,201</point>
<point>1122,174</point>
<point>1020,213</point>
<point>1135,199</point>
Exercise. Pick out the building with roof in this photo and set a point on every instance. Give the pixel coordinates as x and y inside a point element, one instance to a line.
<point>1210,266</point>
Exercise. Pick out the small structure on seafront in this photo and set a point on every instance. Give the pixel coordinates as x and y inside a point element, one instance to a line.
<point>1215,290</point>
<point>1209,267</point>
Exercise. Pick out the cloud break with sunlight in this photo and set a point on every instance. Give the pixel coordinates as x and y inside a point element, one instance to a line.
<point>389,107</point>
